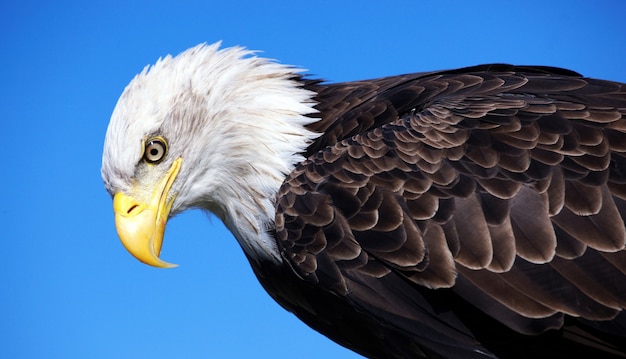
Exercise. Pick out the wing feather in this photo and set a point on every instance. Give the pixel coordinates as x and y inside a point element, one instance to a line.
<point>476,250</point>
<point>535,239</point>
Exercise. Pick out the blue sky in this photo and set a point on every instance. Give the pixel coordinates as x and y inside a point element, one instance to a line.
<point>69,289</point>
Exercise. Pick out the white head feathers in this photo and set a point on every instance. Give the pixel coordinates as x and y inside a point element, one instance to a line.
<point>237,121</point>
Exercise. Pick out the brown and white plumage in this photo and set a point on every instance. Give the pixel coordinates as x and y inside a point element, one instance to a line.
<point>476,212</point>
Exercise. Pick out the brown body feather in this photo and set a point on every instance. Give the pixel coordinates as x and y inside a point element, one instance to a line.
<point>497,189</point>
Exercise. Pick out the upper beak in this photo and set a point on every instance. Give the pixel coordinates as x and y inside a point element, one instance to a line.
<point>141,225</point>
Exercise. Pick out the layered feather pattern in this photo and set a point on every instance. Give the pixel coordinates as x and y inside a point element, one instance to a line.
<point>505,185</point>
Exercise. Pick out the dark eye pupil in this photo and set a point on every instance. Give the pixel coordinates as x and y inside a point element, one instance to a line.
<point>154,152</point>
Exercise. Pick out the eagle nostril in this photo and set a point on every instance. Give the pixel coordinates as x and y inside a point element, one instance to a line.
<point>132,208</point>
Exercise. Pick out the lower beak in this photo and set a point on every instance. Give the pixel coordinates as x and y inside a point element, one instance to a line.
<point>141,225</point>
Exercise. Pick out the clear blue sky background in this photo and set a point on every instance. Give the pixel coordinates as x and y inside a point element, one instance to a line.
<point>68,289</point>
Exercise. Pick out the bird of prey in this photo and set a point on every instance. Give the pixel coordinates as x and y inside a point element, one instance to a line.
<point>469,213</point>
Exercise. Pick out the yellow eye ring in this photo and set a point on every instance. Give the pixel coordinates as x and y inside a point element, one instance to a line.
<point>155,150</point>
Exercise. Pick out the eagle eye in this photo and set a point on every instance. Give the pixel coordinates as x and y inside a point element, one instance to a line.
<point>155,150</point>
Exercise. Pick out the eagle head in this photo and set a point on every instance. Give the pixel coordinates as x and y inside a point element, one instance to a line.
<point>216,129</point>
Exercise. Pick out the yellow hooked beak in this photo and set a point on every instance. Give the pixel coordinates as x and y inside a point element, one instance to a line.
<point>141,226</point>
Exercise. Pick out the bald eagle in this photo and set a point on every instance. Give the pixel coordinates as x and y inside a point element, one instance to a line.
<point>470,213</point>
